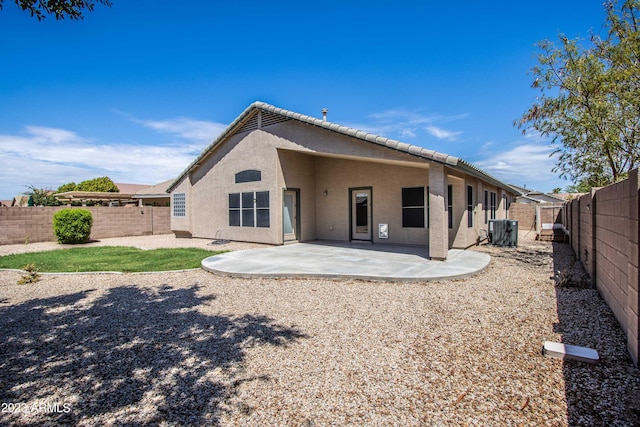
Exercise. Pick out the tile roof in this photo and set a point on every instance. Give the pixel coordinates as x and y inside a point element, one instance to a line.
<point>130,188</point>
<point>414,150</point>
<point>154,190</point>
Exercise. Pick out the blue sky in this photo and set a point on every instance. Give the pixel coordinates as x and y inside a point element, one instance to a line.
<point>136,91</point>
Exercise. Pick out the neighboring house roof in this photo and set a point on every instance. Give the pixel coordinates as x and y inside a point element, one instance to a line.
<point>521,190</point>
<point>414,150</point>
<point>158,190</point>
<point>538,196</point>
<point>5,202</point>
<point>20,200</point>
<point>130,188</point>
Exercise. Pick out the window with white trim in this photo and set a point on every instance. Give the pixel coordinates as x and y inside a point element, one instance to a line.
<point>249,209</point>
<point>179,205</point>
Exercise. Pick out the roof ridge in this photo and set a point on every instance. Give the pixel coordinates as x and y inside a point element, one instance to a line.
<point>393,144</point>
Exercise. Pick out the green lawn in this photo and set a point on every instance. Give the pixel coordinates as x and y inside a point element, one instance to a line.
<point>109,258</point>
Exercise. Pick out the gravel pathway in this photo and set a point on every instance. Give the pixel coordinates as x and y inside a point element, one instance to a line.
<point>193,348</point>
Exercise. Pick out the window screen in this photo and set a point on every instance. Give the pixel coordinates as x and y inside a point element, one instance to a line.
<point>413,207</point>
<point>469,206</point>
<point>485,207</point>
<point>493,205</point>
<point>450,205</point>
<point>234,210</point>
<point>249,209</point>
<point>262,209</point>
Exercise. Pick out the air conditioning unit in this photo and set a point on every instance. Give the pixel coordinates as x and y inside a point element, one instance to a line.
<point>503,232</point>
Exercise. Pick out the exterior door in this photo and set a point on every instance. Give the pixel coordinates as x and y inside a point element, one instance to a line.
<point>361,214</point>
<point>290,216</point>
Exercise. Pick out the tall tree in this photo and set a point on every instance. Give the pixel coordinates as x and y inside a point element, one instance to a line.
<point>72,9</point>
<point>590,99</point>
<point>103,184</point>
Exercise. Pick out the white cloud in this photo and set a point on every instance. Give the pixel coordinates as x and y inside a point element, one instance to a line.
<point>406,124</point>
<point>48,157</point>
<point>527,164</point>
<point>186,128</point>
<point>442,133</point>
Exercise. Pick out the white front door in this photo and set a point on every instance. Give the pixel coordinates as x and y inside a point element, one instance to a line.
<point>290,216</point>
<point>361,214</point>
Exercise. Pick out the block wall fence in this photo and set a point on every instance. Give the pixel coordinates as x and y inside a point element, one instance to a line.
<point>35,224</point>
<point>604,234</point>
<point>525,214</point>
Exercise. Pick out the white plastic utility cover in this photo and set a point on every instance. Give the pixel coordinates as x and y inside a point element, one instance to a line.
<point>566,351</point>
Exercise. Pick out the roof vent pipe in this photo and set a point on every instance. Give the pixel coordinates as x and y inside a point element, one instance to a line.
<point>324,114</point>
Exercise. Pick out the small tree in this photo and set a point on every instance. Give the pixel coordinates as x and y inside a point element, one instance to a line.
<point>72,225</point>
<point>41,197</point>
<point>589,101</point>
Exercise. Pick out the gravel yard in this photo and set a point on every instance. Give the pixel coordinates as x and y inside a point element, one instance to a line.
<point>192,348</point>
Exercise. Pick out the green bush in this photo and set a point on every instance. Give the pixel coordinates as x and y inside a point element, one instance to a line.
<point>72,225</point>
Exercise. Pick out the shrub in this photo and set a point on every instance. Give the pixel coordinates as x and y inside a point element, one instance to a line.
<point>72,225</point>
<point>32,276</point>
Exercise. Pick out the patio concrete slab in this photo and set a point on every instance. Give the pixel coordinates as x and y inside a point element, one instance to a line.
<point>347,260</point>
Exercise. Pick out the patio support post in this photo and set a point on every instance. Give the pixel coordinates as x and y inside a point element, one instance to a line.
<point>438,229</point>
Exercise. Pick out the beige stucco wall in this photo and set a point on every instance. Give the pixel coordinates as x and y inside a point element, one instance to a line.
<point>182,225</point>
<point>297,171</point>
<point>298,136</point>
<point>337,176</point>
<point>208,195</point>
<point>293,155</point>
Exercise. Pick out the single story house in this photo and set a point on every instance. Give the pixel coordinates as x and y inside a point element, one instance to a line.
<point>529,196</point>
<point>275,176</point>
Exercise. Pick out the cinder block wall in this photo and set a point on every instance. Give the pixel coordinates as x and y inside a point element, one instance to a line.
<point>525,214</point>
<point>35,224</point>
<point>604,236</point>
